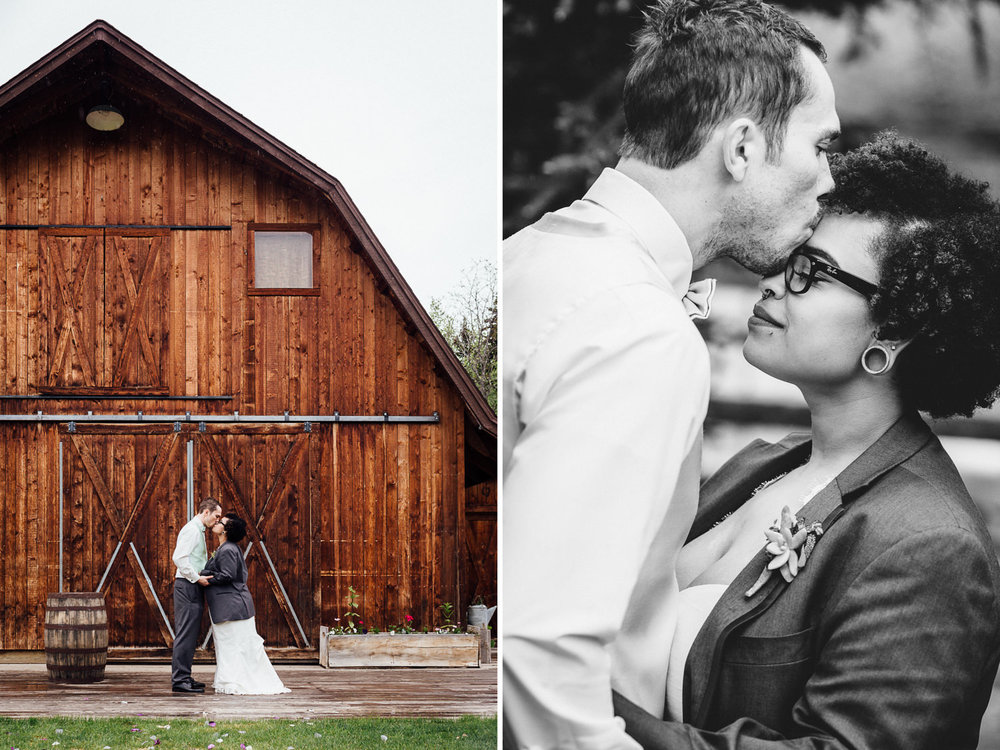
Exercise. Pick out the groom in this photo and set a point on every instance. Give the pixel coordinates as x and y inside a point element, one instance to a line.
<point>729,112</point>
<point>190,556</point>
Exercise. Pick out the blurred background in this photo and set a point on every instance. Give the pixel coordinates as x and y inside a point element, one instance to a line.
<point>929,69</point>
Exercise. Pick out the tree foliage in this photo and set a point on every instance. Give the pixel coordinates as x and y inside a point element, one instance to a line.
<point>467,318</point>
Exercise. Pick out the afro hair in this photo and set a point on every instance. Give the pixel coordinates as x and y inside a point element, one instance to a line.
<point>236,529</point>
<point>939,265</point>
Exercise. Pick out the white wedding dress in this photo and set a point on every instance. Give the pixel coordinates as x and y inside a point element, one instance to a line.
<point>694,605</point>
<point>242,666</point>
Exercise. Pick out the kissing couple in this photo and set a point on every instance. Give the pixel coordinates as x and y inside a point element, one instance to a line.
<point>837,589</point>
<point>242,666</point>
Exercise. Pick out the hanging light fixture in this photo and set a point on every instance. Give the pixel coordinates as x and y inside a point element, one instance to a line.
<point>105,117</point>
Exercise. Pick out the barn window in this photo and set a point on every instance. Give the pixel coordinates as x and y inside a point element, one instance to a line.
<point>283,258</point>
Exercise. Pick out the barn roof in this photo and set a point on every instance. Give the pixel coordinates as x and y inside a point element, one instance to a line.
<point>75,70</point>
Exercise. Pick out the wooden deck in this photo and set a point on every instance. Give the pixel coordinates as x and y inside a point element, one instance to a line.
<point>144,690</point>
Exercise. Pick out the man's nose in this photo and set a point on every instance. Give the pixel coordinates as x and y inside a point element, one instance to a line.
<point>826,183</point>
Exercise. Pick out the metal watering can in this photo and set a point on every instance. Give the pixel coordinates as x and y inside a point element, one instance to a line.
<point>479,614</point>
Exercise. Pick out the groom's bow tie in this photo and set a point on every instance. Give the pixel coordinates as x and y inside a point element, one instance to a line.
<point>698,300</point>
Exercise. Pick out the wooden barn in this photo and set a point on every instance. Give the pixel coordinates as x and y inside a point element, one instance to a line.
<point>191,309</point>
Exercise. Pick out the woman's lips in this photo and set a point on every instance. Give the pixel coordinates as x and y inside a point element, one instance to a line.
<point>761,317</point>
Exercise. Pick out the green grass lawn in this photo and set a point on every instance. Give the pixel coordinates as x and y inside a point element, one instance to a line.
<point>270,734</point>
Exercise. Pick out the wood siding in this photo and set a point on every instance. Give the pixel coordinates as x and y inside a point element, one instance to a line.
<point>102,309</point>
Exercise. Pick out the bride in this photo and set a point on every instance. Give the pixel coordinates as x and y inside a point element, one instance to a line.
<point>868,614</point>
<point>242,666</point>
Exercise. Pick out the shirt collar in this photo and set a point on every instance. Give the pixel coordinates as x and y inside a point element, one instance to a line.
<point>653,226</point>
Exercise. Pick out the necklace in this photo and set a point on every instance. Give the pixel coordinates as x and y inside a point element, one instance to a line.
<point>772,480</point>
<point>766,483</point>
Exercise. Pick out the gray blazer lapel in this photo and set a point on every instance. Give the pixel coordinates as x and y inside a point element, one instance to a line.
<point>731,486</point>
<point>758,463</point>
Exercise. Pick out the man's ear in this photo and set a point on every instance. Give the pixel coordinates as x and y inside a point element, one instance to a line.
<point>741,142</point>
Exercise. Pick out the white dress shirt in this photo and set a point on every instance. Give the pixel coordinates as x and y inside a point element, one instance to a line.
<point>190,553</point>
<point>605,387</point>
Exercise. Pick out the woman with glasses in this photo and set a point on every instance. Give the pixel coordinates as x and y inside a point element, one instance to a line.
<point>241,664</point>
<point>839,588</point>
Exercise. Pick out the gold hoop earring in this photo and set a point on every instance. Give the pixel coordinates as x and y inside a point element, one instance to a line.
<point>883,352</point>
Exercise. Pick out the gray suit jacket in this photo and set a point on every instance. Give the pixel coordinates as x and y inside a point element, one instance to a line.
<point>888,638</point>
<point>227,593</point>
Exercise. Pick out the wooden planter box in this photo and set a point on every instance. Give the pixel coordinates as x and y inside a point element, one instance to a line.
<point>398,650</point>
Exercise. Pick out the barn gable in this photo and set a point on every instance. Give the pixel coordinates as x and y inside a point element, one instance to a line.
<point>160,370</point>
<point>82,70</point>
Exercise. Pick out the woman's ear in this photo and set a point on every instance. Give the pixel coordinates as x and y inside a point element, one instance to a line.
<point>742,143</point>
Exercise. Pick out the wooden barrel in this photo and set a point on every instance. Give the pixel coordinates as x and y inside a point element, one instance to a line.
<point>76,637</point>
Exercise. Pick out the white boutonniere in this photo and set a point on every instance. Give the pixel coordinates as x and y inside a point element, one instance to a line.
<point>789,543</point>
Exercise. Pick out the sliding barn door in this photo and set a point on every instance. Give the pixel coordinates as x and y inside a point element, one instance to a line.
<point>123,506</point>
<point>126,497</point>
<point>264,477</point>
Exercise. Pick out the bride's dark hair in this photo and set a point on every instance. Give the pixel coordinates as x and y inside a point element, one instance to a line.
<point>236,528</point>
<point>939,270</point>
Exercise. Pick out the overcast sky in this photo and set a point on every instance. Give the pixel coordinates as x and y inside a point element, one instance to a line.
<point>396,99</point>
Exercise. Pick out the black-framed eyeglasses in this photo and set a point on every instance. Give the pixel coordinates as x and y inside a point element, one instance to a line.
<point>801,269</point>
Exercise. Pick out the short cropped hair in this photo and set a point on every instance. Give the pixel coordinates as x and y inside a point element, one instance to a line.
<point>699,62</point>
<point>209,503</point>
<point>236,528</point>
<point>938,258</point>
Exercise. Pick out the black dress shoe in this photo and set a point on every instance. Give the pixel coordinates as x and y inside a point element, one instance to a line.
<point>197,684</point>
<point>187,687</point>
